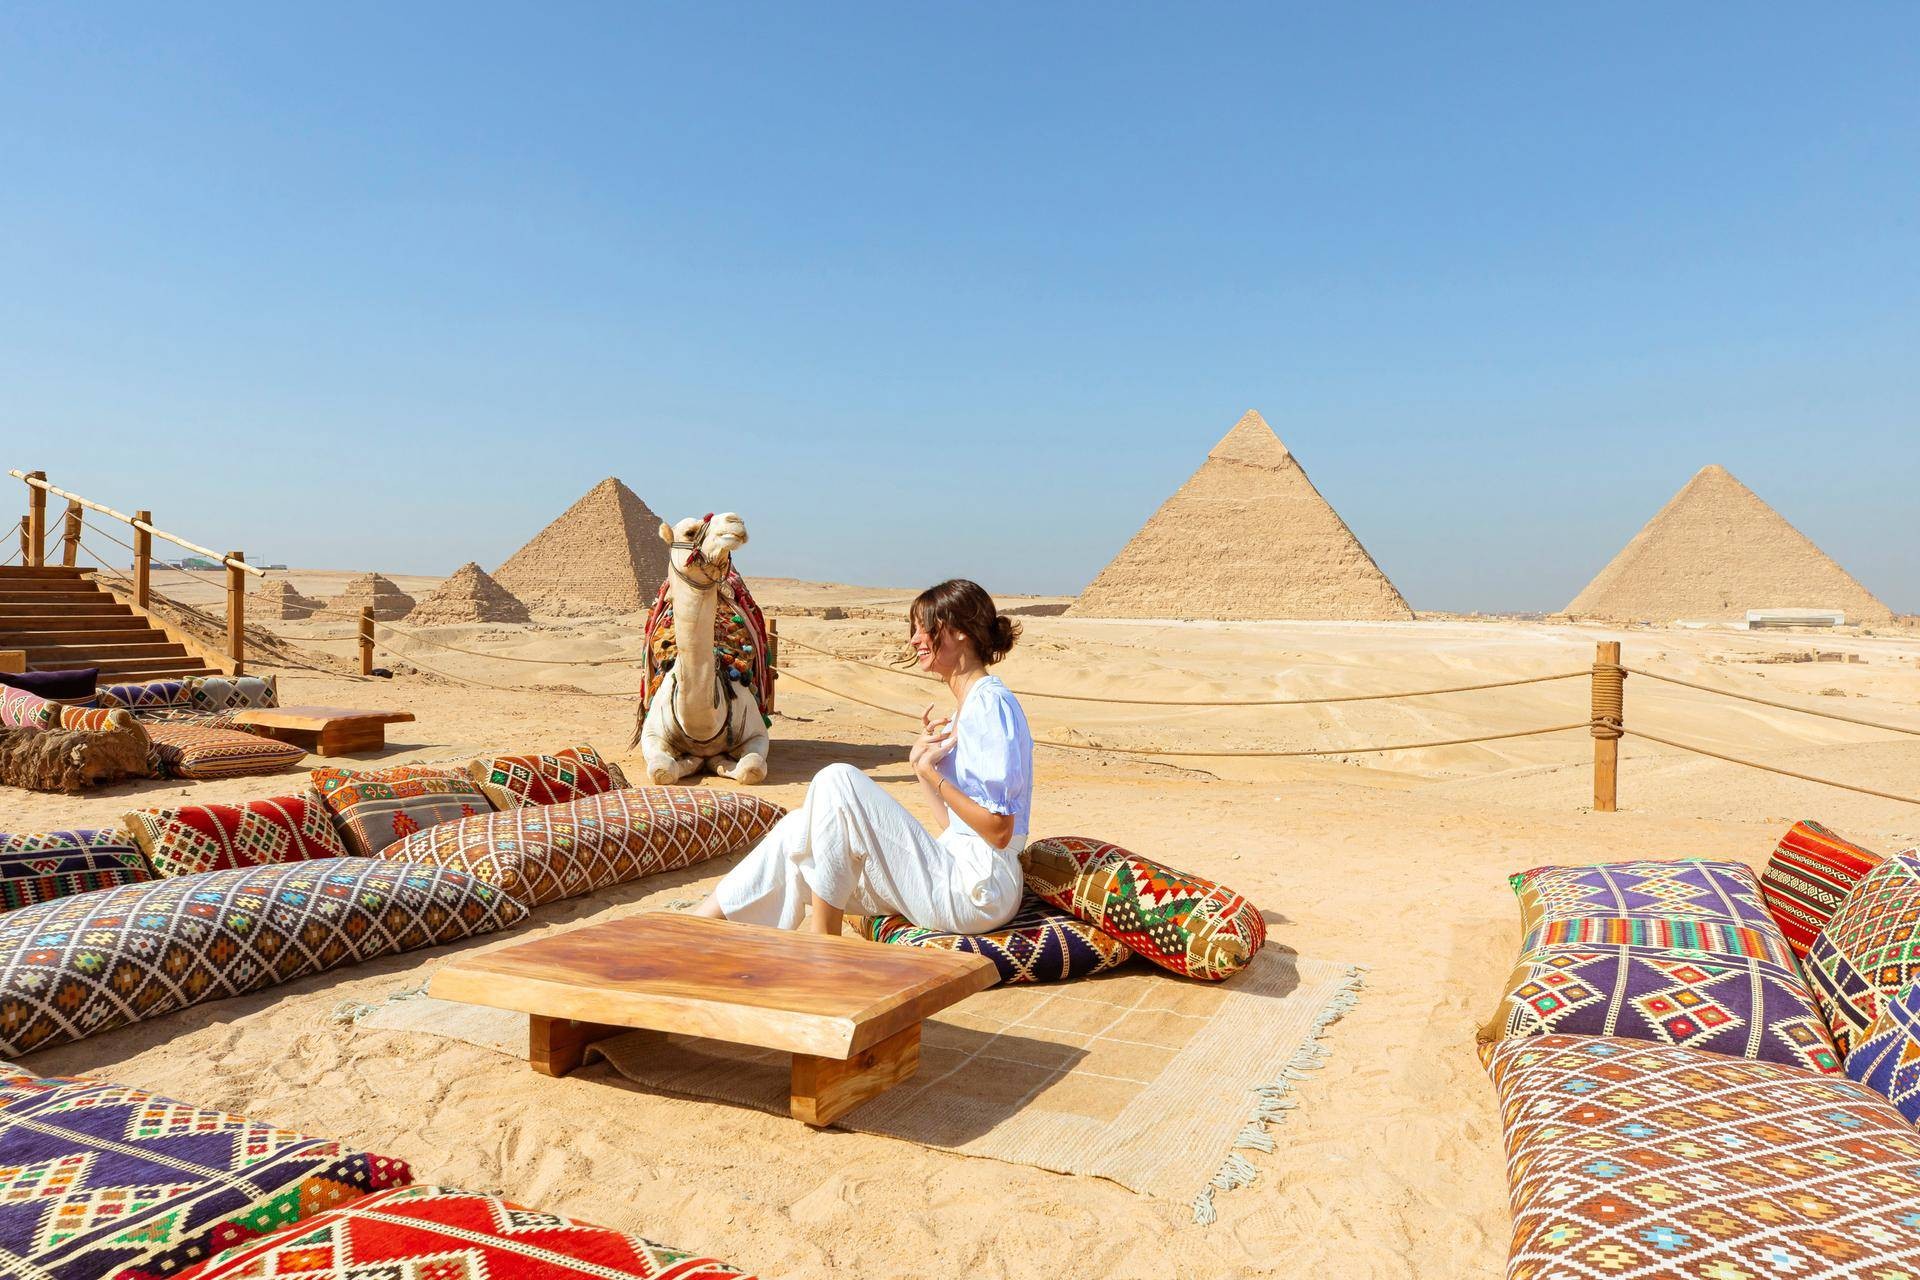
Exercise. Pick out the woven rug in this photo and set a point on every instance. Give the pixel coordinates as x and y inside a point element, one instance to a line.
<point>1154,1082</point>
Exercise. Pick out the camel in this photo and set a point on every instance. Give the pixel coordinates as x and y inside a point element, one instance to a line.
<point>698,720</point>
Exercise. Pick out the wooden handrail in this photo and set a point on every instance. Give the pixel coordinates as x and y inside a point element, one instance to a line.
<point>40,482</point>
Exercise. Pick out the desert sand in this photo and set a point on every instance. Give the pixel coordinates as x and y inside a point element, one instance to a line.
<point>1390,1165</point>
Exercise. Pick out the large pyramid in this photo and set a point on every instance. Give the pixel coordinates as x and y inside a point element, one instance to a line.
<point>1715,551</point>
<point>470,595</point>
<point>603,555</point>
<point>1247,536</point>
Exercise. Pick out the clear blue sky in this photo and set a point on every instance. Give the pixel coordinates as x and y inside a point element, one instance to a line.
<point>924,290</point>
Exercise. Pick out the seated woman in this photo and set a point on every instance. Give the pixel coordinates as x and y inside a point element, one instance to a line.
<point>852,847</point>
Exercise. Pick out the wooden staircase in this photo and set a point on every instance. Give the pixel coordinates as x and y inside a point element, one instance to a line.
<point>64,619</point>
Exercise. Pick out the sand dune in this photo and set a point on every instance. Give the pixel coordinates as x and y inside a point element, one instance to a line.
<point>1391,1164</point>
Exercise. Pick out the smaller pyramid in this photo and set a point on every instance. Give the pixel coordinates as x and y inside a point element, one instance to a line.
<point>470,595</point>
<point>1715,551</point>
<point>389,602</point>
<point>602,555</point>
<point>276,599</point>
<point>1246,537</point>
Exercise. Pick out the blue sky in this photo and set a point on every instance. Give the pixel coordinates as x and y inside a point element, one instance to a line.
<point>924,290</point>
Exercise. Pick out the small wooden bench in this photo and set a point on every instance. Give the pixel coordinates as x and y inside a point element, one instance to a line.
<point>324,731</point>
<point>848,1010</point>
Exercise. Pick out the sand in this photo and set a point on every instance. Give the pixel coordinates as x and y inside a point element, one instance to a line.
<point>1391,1165</point>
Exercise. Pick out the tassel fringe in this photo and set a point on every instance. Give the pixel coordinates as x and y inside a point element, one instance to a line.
<point>1272,1101</point>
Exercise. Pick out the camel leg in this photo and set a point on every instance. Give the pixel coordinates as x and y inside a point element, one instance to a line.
<point>749,762</point>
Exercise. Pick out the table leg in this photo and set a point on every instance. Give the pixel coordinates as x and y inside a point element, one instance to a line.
<point>351,737</point>
<point>556,1046</point>
<point>824,1089</point>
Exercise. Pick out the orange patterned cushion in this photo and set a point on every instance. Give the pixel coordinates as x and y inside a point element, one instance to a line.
<point>376,807</point>
<point>514,782</point>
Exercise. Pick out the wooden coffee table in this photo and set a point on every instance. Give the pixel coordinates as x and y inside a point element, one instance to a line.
<point>848,1010</point>
<point>325,731</point>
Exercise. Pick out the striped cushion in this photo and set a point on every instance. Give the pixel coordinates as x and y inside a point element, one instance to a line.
<point>1811,873</point>
<point>188,750</point>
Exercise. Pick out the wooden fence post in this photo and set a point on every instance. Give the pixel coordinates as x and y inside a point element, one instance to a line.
<point>366,640</point>
<point>36,520</point>
<point>237,615</point>
<point>70,535</point>
<point>1609,715</point>
<point>142,559</point>
<point>25,557</point>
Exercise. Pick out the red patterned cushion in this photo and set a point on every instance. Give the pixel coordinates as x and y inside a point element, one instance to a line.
<point>1180,922</point>
<point>564,850</point>
<point>201,751</point>
<point>439,1233</point>
<point>1810,875</point>
<point>218,837</point>
<point>375,807</point>
<point>515,782</point>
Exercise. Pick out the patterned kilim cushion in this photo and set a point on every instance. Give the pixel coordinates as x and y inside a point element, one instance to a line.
<point>1180,922</point>
<point>25,710</point>
<point>222,694</point>
<point>1041,943</point>
<point>1869,950</point>
<point>100,1180</point>
<point>76,967</point>
<point>218,837</point>
<point>438,1233</point>
<point>40,866</point>
<point>514,782</point>
<point>375,807</point>
<point>149,696</point>
<point>1810,875</point>
<point>1887,1055</point>
<point>1633,1160</point>
<point>200,751</point>
<point>1680,952</point>
<point>564,850</point>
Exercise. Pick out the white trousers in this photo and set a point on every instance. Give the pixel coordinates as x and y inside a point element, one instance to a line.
<point>859,848</point>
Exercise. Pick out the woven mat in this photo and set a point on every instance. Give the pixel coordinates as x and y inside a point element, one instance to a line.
<point>1157,1083</point>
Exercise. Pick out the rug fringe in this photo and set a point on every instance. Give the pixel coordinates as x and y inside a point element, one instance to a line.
<point>348,1012</point>
<point>1270,1101</point>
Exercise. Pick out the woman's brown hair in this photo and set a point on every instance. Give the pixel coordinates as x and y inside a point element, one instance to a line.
<point>967,608</point>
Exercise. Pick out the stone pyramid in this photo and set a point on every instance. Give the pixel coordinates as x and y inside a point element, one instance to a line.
<point>1715,551</point>
<point>470,595</point>
<point>602,555</point>
<point>389,602</point>
<point>1247,536</point>
<point>276,599</point>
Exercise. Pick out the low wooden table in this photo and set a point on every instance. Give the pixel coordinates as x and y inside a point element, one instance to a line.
<point>848,1010</point>
<point>325,731</point>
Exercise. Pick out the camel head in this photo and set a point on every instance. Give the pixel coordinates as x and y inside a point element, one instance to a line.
<point>701,547</point>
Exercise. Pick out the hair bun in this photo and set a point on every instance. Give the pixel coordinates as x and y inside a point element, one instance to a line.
<point>1005,632</point>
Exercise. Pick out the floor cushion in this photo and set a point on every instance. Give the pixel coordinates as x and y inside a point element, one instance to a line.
<point>1681,952</point>
<point>1869,950</point>
<point>564,850</point>
<point>102,1180</point>
<point>1181,922</point>
<point>439,1233</point>
<point>1041,943</point>
<point>199,751</point>
<point>77,683</point>
<point>78,966</point>
<point>1886,1056</point>
<point>39,866</point>
<point>1809,876</point>
<point>21,708</point>
<point>218,837</point>
<point>1635,1160</point>
<point>223,695</point>
<point>375,807</point>
<point>514,782</point>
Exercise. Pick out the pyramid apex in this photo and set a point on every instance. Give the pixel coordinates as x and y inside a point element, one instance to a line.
<point>1252,442</point>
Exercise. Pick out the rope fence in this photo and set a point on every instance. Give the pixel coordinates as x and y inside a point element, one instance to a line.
<point>1769,702</point>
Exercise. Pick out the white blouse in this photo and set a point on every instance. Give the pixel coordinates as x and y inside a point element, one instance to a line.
<point>992,758</point>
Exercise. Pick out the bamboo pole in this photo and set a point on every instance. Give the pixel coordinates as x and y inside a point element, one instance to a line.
<point>142,559</point>
<point>37,483</point>
<point>36,519</point>
<point>70,536</point>
<point>236,613</point>
<point>1609,717</point>
<point>366,640</point>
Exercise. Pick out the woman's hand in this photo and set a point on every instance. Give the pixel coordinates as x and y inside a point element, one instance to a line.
<point>934,744</point>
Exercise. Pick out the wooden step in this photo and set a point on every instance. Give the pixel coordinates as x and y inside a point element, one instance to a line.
<point>65,599</point>
<point>41,654</point>
<point>116,670</point>
<point>36,586</point>
<point>102,640</point>
<point>28,572</point>
<point>17,624</point>
<point>94,607</point>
